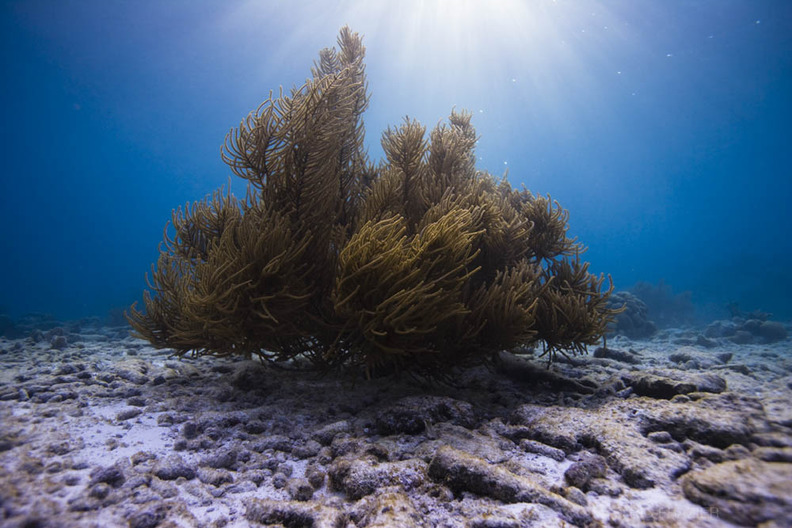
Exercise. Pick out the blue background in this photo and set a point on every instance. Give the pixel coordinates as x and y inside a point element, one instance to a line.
<point>663,126</point>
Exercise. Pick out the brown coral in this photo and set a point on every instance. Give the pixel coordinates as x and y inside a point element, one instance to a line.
<point>421,263</point>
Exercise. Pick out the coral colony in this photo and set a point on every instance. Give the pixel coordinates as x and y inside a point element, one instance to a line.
<point>420,263</point>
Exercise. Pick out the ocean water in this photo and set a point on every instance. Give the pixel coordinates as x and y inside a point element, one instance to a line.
<point>662,126</point>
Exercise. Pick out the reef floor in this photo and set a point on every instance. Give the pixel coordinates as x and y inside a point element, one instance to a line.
<point>99,429</point>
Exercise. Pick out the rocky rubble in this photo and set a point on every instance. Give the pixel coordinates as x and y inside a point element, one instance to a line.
<point>103,430</point>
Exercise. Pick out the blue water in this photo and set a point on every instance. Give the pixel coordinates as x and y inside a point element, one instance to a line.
<point>663,126</point>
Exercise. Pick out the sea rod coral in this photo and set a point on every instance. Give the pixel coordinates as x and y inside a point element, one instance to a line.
<point>418,263</point>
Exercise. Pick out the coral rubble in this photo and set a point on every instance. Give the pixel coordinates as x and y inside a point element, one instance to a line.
<point>108,431</point>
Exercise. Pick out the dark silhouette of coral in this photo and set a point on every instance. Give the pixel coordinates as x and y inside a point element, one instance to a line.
<point>666,308</point>
<point>633,321</point>
<point>420,263</point>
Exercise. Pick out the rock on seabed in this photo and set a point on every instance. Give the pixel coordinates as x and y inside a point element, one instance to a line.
<point>747,492</point>
<point>103,430</point>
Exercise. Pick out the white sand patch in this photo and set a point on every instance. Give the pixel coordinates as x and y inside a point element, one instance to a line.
<point>108,440</point>
<point>655,505</point>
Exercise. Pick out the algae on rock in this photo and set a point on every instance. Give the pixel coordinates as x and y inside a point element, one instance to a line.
<point>418,263</point>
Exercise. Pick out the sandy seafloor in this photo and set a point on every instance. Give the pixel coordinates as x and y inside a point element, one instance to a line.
<point>100,429</point>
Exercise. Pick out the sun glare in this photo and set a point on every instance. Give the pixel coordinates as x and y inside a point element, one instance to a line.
<point>547,60</point>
